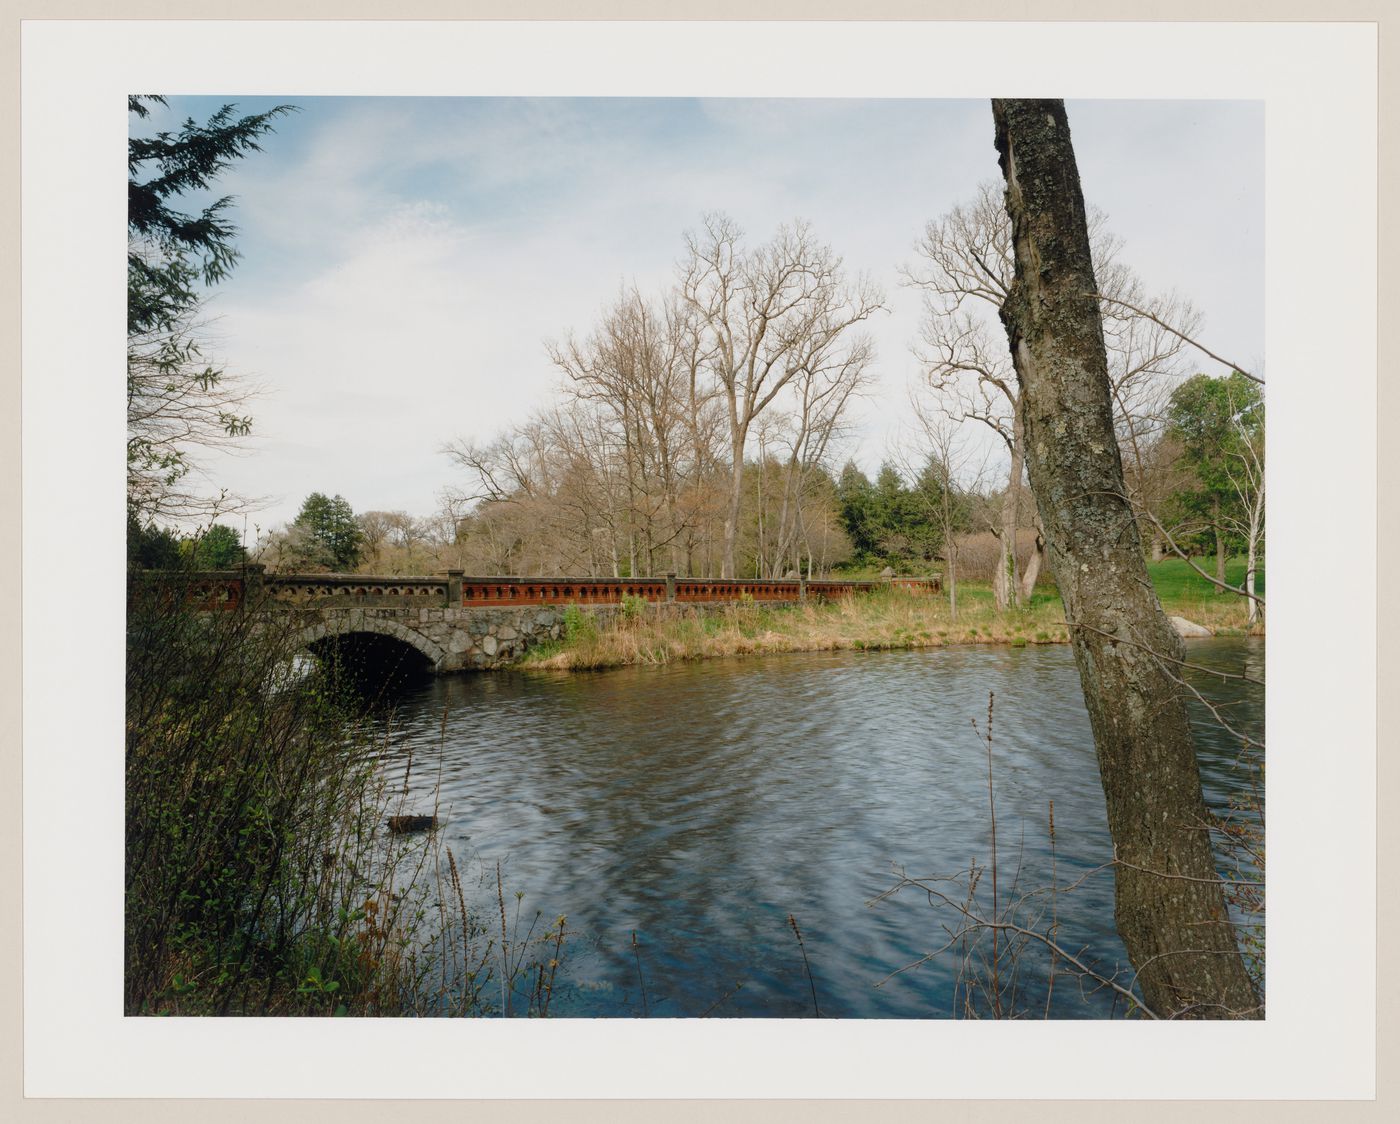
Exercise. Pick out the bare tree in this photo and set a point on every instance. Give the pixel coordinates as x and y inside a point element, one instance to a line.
<point>821,391</point>
<point>636,369</point>
<point>1170,908</point>
<point>178,408</point>
<point>629,472</point>
<point>965,273</point>
<point>1244,468</point>
<point>948,455</point>
<point>763,315</point>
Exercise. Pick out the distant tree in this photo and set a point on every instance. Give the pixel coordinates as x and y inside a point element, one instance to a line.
<point>324,535</point>
<point>217,548</point>
<point>763,316</point>
<point>906,533</point>
<point>890,521</point>
<point>149,547</point>
<point>856,497</point>
<point>945,492</point>
<point>1218,423</point>
<point>965,272</point>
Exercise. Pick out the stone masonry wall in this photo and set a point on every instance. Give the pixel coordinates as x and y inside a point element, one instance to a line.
<point>471,639</point>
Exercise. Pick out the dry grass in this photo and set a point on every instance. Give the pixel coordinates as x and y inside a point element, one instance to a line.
<point>888,619</point>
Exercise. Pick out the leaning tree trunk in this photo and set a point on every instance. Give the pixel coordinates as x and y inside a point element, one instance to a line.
<point>1031,574</point>
<point>1007,586</point>
<point>1170,909</point>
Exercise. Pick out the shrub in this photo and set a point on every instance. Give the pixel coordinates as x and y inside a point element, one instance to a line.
<point>578,625</point>
<point>260,878</point>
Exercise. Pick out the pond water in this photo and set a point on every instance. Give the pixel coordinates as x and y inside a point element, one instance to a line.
<point>700,805</point>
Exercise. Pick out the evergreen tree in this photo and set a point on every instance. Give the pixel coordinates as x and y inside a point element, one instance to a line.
<point>149,547</point>
<point>168,250</point>
<point>902,518</point>
<point>218,548</point>
<point>177,401</point>
<point>325,535</point>
<point>856,498</point>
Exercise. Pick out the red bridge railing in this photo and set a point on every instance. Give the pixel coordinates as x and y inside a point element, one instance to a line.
<point>229,589</point>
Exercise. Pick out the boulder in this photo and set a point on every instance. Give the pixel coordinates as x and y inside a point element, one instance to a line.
<point>1189,629</point>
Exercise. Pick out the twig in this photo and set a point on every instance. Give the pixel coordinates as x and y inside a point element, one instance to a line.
<point>1054,908</point>
<point>738,984</point>
<point>636,955</point>
<point>1181,335</point>
<point>1163,656</point>
<point>976,922</point>
<point>801,945</point>
<point>1182,877</point>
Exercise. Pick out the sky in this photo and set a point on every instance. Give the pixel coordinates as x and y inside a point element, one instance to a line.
<point>405,260</point>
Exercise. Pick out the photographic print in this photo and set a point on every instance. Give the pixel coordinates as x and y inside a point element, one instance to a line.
<point>695,558</point>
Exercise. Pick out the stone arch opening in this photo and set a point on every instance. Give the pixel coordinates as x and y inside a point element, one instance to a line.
<point>372,656</point>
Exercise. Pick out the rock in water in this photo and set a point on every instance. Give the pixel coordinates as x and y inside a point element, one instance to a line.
<point>401,825</point>
<point>1190,629</point>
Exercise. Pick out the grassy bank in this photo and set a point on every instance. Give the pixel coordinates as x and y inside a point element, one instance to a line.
<point>888,619</point>
<point>893,618</point>
<point>1185,593</point>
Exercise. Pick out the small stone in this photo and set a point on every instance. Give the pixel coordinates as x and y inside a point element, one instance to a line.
<point>488,645</point>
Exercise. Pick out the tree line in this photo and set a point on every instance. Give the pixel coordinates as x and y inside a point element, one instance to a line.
<point>702,429</point>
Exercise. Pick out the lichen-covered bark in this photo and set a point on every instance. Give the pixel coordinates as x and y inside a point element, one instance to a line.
<point>1169,908</point>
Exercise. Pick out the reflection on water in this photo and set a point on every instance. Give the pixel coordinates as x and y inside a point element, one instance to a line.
<point>697,805</point>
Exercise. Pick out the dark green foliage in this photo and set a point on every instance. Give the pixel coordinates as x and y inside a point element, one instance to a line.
<point>890,522</point>
<point>325,535</point>
<point>217,548</point>
<point>856,496</point>
<point>1208,416</point>
<point>149,547</point>
<point>170,251</point>
<point>1211,418</point>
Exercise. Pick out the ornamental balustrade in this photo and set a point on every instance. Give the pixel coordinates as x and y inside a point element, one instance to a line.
<point>229,589</point>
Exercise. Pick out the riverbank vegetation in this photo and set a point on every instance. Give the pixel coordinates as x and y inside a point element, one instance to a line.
<point>264,871</point>
<point>885,619</point>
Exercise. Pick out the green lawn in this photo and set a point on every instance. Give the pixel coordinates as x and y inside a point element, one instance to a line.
<point>1176,581</point>
<point>1182,591</point>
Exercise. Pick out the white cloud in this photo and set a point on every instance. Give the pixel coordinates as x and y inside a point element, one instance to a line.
<point>406,260</point>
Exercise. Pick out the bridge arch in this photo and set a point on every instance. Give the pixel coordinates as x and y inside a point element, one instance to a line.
<point>331,628</point>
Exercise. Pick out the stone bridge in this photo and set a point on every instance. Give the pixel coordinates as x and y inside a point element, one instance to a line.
<point>456,623</point>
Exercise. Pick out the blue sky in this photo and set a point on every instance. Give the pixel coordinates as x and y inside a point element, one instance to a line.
<point>405,259</point>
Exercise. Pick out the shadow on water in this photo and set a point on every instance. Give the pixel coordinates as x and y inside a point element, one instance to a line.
<point>698,805</point>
